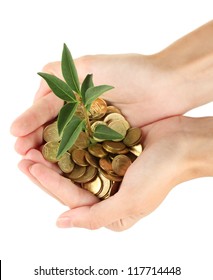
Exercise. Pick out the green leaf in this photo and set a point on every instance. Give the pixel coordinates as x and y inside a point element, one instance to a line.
<point>65,115</point>
<point>87,83</point>
<point>70,135</point>
<point>106,133</point>
<point>69,71</point>
<point>93,92</point>
<point>59,87</point>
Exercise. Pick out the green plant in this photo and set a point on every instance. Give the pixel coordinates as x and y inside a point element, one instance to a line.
<point>75,95</point>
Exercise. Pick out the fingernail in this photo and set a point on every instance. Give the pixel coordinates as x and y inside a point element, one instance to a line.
<point>64,222</point>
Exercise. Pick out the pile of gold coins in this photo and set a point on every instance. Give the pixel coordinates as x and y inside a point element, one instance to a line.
<point>97,166</point>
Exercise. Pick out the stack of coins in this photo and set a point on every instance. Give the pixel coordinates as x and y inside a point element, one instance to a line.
<point>96,165</point>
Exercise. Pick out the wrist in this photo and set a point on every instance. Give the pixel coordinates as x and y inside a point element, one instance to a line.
<point>189,61</point>
<point>193,148</point>
<point>173,83</point>
<point>199,153</point>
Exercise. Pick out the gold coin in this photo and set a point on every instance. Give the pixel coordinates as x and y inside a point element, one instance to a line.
<point>94,186</point>
<point>113,117</point>
<point>124,123</point>
<point>119,126</point>
<point>105,186</point>
<point>89,175</point>
<point>65,163</point>
<point>113,147</point>
<point>112,109</point>
<point>77,172</point>
<point>51,133</point>
<point>106,164</point>
<point>71,149</point>
<point>133,137</point>
<point>114,188</point>
<point>93,127</point>
<point>95,124</point>
<point>111,156</point>
<point>131,156</point>
<point>82,141</point>
<point>78,156</point>
<point>112,177</point>
<point>97,150</point>
<point>120,164</point>
<point>136,150</point>
<point>98,108</point>
<point>124,151</point>
<point>107,195</point>
<point>50,150</point>
<point>91,159</point>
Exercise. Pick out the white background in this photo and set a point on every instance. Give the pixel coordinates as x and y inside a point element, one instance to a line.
<point>179,232</point>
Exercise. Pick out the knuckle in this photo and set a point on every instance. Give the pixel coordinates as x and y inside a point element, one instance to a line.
<point>51,109</point>
<point>50,67</point>
<point>47,67</point>
<point>85,63</point>
<point>74,200</point>
<point>95,221</point>
<point>85,59</point>
<point>93,225</point>
<point>119,226</point>
<point>123,225</point>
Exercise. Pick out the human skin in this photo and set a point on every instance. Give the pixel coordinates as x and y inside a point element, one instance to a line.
<point>176,149</point>
<point>147,89</point>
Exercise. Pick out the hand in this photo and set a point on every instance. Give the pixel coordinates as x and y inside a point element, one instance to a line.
<point>146,100</point>
<point>165,84</point>
<point>29,126</point>
<point>170,156</point>
<point>141,84</point>
<point>147,88</point>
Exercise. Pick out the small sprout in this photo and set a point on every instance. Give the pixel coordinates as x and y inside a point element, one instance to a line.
<point>76,96</point>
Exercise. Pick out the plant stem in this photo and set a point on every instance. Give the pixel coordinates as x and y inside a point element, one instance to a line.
<point>88,127</point>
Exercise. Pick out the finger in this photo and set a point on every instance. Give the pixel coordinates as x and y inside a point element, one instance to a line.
<point>24,165</point>
<point>42,111</point>
<point>63,188</point>
<point>106,213</point>
<point>53,68</point>
<point>64,221</point>
<point>107,69</point>
<point>98,215</point>
<point>138,196</point>
<point>42,90</point>
<point>123,224</point>
<point>36,156</point>
<point>33,140</point>
<point>100,65</point>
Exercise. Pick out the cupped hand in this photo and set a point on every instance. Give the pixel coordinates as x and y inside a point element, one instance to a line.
<point>148,89</point>
<point>165,162</point>
<point>143,92</point>
<point>140,99</point>
<point>141,83</point>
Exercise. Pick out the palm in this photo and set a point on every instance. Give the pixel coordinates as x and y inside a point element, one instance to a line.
<point>149,179</point>
<point>140,192</point>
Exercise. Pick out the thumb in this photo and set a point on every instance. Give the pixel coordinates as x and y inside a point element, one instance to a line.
<point>42,90</point>
<point>53,68</point>
<point>98,215</point>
